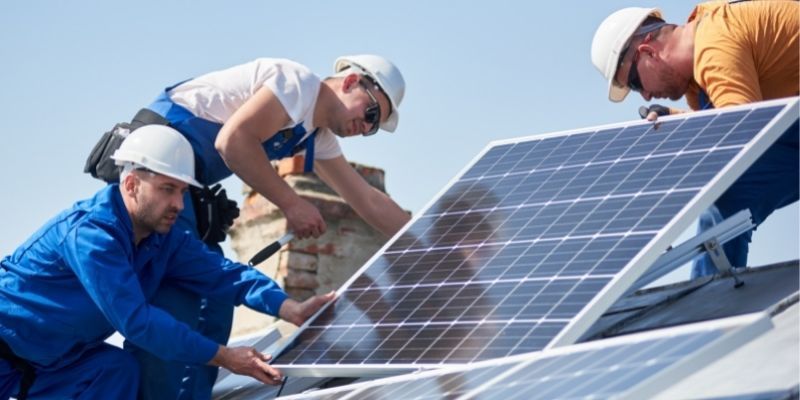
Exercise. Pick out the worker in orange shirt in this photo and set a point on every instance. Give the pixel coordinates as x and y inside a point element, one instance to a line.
<point>727,53</point>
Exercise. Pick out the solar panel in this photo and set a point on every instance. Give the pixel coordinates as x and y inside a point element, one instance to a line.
<point>635,366</point>
<point>532,242</point>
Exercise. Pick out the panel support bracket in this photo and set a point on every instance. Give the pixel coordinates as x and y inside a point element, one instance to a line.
<point>709,242</point>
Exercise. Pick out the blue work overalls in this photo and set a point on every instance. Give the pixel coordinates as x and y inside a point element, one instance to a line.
<point>769,184</point>
<point>169,380</point>
<point>80,277</point>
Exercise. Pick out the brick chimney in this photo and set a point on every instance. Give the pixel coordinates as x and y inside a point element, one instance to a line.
<point>310,266</point>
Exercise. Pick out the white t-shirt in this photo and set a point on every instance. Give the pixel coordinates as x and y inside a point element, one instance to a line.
<point>217,95</point>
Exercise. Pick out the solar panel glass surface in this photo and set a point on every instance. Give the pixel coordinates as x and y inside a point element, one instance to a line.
<point>521,242</point>
<point>602,369</point>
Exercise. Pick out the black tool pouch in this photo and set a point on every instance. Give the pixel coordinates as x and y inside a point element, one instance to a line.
<point>99,163</point>
<point>214,212</point>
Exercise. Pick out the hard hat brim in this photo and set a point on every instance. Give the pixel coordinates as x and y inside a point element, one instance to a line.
<point>391,123</point>
<point>617,93</point>
<point>185,179</point>
<point>121,158</point>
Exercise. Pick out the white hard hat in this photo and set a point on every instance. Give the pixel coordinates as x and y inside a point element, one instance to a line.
<point>160,149</point>
<point>611,38</point>
<point>385,74</point>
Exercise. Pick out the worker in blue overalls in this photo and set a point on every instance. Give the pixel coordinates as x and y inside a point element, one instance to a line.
<point>93,269</point>
<point>728,53</point>
<point>238,120</point>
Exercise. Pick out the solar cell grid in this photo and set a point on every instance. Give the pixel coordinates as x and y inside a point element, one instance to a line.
<point>633,366</point>
<point>522,241</point>
<point>600,374</point>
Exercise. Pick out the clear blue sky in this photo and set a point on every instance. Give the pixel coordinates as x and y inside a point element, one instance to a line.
<point>476,72</point>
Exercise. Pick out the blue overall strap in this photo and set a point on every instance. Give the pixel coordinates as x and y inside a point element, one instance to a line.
<point>201,133</point>
<point>163,104</point>
<point>705,103</point>
<point>291,141</point>
<point>309,163</point>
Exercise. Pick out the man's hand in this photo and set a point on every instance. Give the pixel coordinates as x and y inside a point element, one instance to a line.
<point>652,112</point>
<point>247,361</point>
<point>298,313</point>
<point>304,219</point>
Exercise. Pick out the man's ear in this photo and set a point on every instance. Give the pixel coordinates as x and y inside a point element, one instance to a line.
<point>647,50</point>
<point>350,81</point>
<point>130,183</point>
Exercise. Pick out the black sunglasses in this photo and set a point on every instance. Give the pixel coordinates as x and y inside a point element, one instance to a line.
<point>634,81</point>
<point>372,115</point>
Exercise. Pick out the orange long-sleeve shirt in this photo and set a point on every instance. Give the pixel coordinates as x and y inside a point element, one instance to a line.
<point>745,52</point>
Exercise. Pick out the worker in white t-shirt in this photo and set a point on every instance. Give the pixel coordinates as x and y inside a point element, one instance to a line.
<point>237,121</point>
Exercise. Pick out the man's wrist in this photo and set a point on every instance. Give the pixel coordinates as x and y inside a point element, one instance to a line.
<point>219,357</point>
<point>288,310</point>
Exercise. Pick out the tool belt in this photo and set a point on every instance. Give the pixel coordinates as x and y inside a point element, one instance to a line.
<point>21,365</point>
<point>99,163</point>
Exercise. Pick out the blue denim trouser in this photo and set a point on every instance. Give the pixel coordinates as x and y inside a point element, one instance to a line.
<point>104,372</point>
<point>173,380</point>
<point>769,184</point>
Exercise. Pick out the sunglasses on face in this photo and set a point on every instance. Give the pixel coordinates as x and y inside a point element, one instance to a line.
<point>372,115</point>
<point>634,80</point>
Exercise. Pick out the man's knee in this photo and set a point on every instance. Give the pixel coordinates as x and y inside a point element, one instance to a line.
<point>117,378</point>
<point>102,372</point>
<point>119,364</point>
